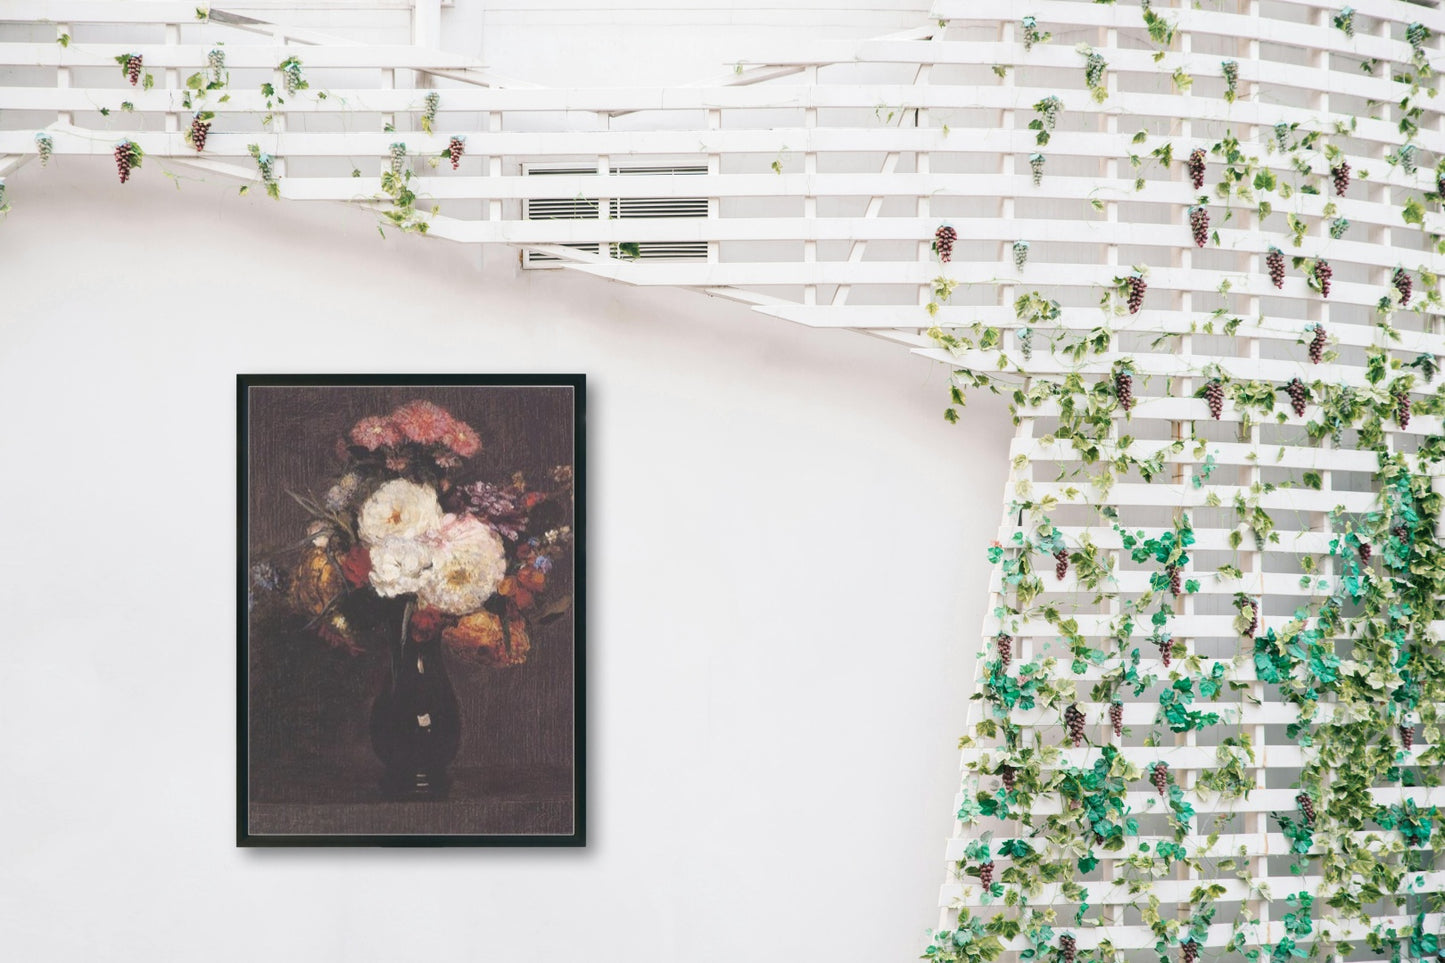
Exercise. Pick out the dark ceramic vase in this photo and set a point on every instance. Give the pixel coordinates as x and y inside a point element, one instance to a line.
<point>416,723</point>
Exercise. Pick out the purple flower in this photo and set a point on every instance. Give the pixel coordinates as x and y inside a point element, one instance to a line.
<point>496,506</point>
<point>264,575</point>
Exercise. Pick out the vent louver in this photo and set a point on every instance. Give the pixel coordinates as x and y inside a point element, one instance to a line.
<point>621,209</point>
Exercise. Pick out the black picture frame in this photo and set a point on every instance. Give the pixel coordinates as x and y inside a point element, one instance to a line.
<point>246,834</point>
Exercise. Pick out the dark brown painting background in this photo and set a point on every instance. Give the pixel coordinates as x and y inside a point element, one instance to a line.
<point>311,765</point>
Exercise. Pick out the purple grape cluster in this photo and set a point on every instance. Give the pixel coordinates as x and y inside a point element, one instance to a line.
<point>1402,408</point>
<point>455,148</point>
<point>1159,776</point>
<point>1403,284</point>
<point>1407,737</point>
<point>1199,224</point>
<point>1124,389</point>
<point>985,873</point>
<point>1067,948</point>
<point>133,65</point>
<point>1074,720</point>
<point>1366,553</point>
<point>124,159</point>
<point>1214,394</point>
<point>943,239</point>
<point>1253,617</point>
<point>1176,580</point>
<point>1306,806</point>
<point>1009,777</point>
<point>1166,651</point>
<point>1116,718</point>
<point>1188,951</point>
<point>1340,174</point>
<point>1137,287</point>
<point>1196,167</point>
<point>199,129</point>
<point>1005,645</point>
<point>1317,345</point>
<point>1299,395</point>
<point>1061,564</point>
<point>1323,272</point>
<point>1274,260</point>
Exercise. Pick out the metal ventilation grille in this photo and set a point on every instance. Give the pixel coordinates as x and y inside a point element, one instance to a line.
<point>619,209</point>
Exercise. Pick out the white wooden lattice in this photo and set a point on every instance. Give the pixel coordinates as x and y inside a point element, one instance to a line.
<point>827,171</point>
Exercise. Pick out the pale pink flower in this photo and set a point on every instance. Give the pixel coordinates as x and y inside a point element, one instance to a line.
<point>423,422</point>
<point>373,433</point>
<point>468,563</point>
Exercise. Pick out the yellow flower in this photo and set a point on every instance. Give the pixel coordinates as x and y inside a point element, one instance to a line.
<point>479,637</point>
<point>316,582</point>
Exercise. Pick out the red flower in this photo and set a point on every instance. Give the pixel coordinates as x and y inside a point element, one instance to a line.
<point>426,625</point>
<point>515,592</point>
<point>428,424</point>
<point>532,579</point>
<point>462,439</point>
<point>356,565</point>
<point>532,499</point>
<point>423,422</point>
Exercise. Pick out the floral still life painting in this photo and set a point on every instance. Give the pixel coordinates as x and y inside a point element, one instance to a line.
<point>410,652</point>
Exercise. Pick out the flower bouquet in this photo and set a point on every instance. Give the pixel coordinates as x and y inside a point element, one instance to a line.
<point>404,554</point>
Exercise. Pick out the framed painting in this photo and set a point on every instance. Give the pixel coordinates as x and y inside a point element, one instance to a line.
<point>411,602</point>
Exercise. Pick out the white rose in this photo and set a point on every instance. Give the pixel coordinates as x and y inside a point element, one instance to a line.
<point>468,562</point>
<point>398,565</point>
<point>398,509</point>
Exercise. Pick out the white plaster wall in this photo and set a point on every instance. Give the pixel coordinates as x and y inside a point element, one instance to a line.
<point>787,576</point>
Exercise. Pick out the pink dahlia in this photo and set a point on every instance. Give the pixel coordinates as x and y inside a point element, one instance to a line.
<point>462,439</point>
<point>373,433</point>
<point>423,422</point>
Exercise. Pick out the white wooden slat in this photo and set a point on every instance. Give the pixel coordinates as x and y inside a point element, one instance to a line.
<point>238,56</point>
<point>1179,890</point>
<point>97,11</point>
<point>1222,845</point>
<point>1052,13</point>
<point>1154,321</point>
<point>1140,937</point>
<point>613,101</point>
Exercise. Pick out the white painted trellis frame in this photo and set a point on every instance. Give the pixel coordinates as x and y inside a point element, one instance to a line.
<point>849,156</point>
